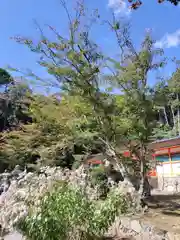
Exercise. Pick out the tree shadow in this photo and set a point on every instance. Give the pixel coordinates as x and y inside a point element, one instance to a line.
<point>171,213</point>
<point>166,204</point>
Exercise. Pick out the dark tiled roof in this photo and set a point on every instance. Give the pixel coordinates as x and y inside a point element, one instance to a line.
<point>166,139</point>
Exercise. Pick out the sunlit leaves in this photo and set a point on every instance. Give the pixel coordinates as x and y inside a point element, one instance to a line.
<point>66,213</point>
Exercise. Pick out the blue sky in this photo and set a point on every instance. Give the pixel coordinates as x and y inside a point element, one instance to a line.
<point>17,17</point>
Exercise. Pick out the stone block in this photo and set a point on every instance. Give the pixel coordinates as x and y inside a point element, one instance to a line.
<point>14,236</point>
<point>136,226</point>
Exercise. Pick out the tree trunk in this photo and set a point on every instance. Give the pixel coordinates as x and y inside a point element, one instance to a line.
<point>165,115</point>
<point>178,116</point>
<point>111,154</point>
<point>173,117</point>
<point>142,182</point>
<point>161,116</point>
<point>144,188</point>
<point>119,165</point>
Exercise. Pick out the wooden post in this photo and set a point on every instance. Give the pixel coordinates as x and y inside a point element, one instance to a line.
<point>154,160</point>
<point>170,160</point>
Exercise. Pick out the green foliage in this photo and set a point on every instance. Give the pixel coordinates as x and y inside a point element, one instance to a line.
<point>5,77</point>
<point>58,126</point>
<point>66,213</point>
<point>86,116</point>
<point>78,161</point>
<point>166,98</point>
<point>89,117</point>
<point>163,132</point>
<point>99,179</point>
<point>137,117</point>
<point>31,145</point>
<point>98,174</point>
<point>14,106</point>
<point>17,146</point>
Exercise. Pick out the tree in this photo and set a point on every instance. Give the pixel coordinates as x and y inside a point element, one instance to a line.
<point>139,112</point>
<point>174,86</point>
<point>165,117</point>
<point>5,82</point>
<point>60,129</point>
<point>5,77</point>
<point>77,64</point>
<point>161,93</point>
<point>166,97</point>
<point>135,4</point>
<point>14,104</point>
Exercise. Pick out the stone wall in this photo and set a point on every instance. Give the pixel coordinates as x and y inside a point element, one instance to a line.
<point>136,229</point>
<point>169,184</point>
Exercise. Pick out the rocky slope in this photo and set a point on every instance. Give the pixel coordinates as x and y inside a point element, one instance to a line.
<point>19,189</point>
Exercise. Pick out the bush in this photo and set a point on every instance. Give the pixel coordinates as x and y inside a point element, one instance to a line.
<point>31,145</point>
<point>99,179</point>
<point>66,213</point>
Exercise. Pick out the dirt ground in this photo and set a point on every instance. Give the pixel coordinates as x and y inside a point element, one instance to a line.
<point>164,212</point>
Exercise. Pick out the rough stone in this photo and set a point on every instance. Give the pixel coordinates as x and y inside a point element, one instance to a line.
<point>135,226</point>
<point>139,230</point>
<point>14,236</point>
<point>28,187</point>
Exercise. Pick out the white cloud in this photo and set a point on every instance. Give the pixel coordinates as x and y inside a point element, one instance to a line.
<point>119,7</point>
<point>169,40</point>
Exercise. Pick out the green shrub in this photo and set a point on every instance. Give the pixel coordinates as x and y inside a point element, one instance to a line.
<point>98,175</point>
<point>100,180</point>
<point>66,213</point>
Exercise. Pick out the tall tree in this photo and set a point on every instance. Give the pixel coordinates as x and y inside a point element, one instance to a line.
<point>139,111</point>
<point>5,82</point>
<point>14,104</point>
<point>77,65</point>
<point>174,86</point>
<point>166,97</point>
